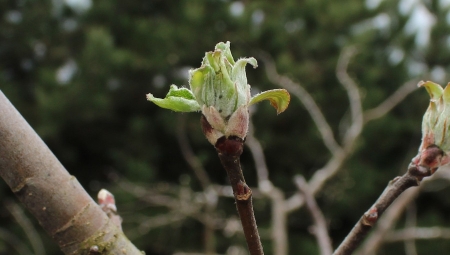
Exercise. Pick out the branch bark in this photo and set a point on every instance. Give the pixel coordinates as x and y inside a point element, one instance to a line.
<point>396,187</point>
<point>53,196</point>
<point>230,150</point>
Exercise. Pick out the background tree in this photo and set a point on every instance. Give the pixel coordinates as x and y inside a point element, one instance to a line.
<point>79,70</point>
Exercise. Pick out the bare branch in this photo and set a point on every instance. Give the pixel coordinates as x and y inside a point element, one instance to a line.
<point>398,96</point>
<point>411,220</point>
<point>320,225</point>
<point>393,213</point>
<point>279,230</point>
<point>189,155</point>
<point>19,246</point>
<point>31,233</point>
<point>229,150</point>
<point>353,95</point>
<point>411,178</point>
<point>339,154</point>
<point>306,99</point>
<point>418,233</point>
<point>258,156</point>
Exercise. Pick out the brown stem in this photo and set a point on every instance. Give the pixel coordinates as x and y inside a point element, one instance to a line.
<point>422,167</point>
<point>230,150</point>
<point>55,198</point>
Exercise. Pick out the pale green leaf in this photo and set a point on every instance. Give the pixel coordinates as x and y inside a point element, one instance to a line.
<point>434,90</point>
<point>279,98</point>
<point>177,99</point>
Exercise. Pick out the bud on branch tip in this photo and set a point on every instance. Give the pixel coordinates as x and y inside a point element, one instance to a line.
<point>435,127</point>
<point>219,89</point>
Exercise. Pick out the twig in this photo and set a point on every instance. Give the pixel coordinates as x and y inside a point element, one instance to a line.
<point>202,176</point>
<point>229,151</point>
<point>387,222</point>
<point>353,132</point>
<point>399,95</point>
<point>258,157</point>
<point>411,221</point>
<point>393,213</point>
<point>189,155</point>
<point>320,226</point>
<point>279,230</point>
<point>27,226</point>
<point>354,97</point>
<point>305,98</point>
<point>411,178</point>
<point>416,233</point>
<point>14,242</point>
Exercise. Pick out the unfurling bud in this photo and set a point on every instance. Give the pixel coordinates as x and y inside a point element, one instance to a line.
<point>435,148</point>
<point>220,91</point>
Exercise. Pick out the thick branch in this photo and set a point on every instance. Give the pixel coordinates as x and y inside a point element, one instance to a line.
<point>50,193</point>
<point>230,150</point>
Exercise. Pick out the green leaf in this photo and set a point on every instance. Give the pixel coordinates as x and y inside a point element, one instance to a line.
<point>177,99</point>
<point>279,98</point>
<point>434,90</point>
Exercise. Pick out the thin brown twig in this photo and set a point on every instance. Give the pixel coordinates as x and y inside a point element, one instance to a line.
<point>396,187</point>
<point>229,151</point>
<point>393,213</point>
<point>320,226</point>
<point>387,222</point>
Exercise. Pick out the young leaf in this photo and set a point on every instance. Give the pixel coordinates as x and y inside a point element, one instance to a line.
<point>177,99</point>
<point>279,99</point>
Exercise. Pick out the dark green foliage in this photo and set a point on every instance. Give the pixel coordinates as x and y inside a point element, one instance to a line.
<point>99,124</point>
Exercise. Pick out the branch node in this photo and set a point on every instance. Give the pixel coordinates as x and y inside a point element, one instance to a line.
<point>243,192</point>
<point>370,217</point>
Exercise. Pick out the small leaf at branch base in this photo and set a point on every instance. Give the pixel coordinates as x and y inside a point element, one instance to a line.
<point>279,98</point>
<point>177,99</point>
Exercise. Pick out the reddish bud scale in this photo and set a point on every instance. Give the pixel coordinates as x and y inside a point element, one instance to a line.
<point>206,127</point>
<point>231,146</point>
